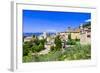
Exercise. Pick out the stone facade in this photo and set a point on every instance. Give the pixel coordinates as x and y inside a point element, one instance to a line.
<point>85,35</point>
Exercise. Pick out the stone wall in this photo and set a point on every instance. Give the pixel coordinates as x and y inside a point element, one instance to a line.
<point>84,39</point>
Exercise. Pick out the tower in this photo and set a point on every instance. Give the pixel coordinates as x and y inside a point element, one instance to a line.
<point>81,29</point>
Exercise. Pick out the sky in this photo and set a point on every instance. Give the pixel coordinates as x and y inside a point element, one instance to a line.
<point>52,21</point>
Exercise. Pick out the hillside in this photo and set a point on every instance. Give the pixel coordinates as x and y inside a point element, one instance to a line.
<point>87,24</point>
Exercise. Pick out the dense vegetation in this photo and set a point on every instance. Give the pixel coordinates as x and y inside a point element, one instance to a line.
<point>33,46</point>
<point>56,53</point>
<point>72,41</point>
<point>76,52</point>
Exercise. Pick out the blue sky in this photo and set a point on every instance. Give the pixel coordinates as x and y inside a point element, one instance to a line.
<point>51,21</point>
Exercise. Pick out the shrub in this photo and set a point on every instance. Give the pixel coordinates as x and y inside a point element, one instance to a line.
<point>78,52</point>
<point>41,47</point>
<point>71,42</point>
<point>28,58</point>
<point>34,48</point>
<point>76,39</point>
<point>52,48</point>
<point>42,41</point>
<point>26,49</point>
<point>51,56</point>
<point>38,48</point>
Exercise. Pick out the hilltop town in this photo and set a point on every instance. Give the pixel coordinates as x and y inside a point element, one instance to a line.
<point>61,40</point>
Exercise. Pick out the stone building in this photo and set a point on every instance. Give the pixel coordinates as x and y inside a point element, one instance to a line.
<point>85,35</point>
<point>75,33</point>
<point>82,33</point>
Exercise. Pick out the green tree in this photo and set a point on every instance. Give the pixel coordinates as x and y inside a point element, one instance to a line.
<point>52,48</point>
<point>26,48</point>
<point>33,36</point>
<point>58,43</point>
<point>28,58</point>
<point>41,47</point>
<point>35,48</point>
<point>42,41</point>
<point>38,48</point>
<point>36,41</point>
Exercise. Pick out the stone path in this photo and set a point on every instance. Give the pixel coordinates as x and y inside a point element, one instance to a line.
<point>43,51</point>
<point>46,50</point>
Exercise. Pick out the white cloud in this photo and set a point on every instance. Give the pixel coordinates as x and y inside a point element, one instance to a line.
<point>88,20</point>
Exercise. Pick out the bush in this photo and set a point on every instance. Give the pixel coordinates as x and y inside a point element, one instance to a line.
<point>41,47</point>
<point>34,48</point>
<point>78,52</point>
<point>38,48</point>
<point>77,39</point>
<point>71,42</point>
<point>42,41</point>
<point>51,56</point>
<point>26,49</point>
<point>28,58</point>
<point>52,48</point>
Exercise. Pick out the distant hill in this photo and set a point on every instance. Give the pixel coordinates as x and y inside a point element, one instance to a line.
<point>37,34</point>
<point>87,24</point>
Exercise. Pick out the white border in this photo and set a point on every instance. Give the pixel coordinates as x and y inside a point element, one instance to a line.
<point>17,37</point>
